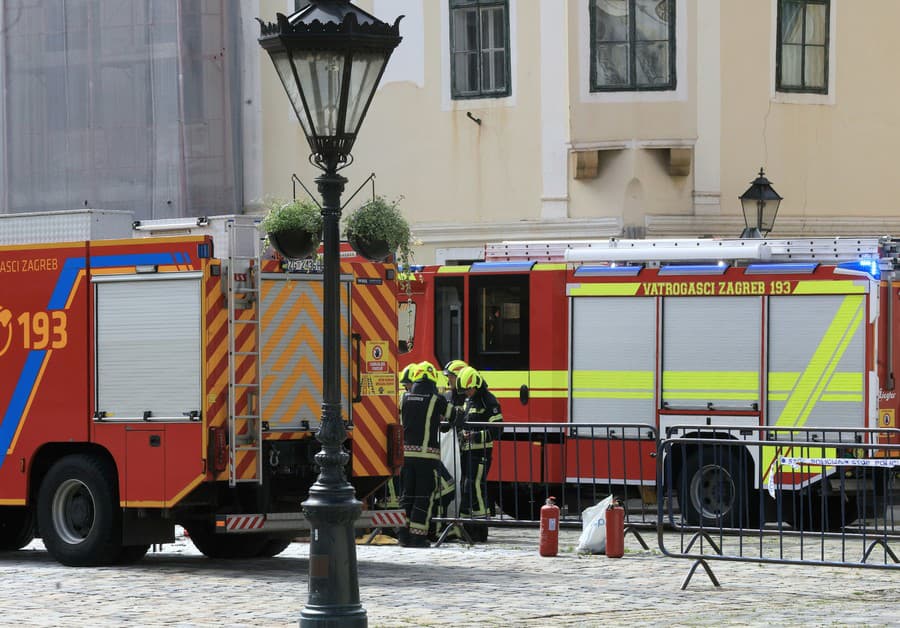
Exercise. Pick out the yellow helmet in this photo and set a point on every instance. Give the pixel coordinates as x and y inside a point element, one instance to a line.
<point>469,378</point>
<point>406,373</point>
<point>424,371</point>
<point>453,367</point>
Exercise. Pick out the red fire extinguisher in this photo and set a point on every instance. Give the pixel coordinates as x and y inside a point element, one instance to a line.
<point>549,528</point>
<point>615,530</point>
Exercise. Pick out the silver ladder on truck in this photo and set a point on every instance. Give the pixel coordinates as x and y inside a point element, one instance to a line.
<point>614,250</point>
<point>242,284</point>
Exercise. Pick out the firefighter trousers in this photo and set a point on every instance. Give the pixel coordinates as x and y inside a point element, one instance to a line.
<point>475,465</point>
<point>419,479</point>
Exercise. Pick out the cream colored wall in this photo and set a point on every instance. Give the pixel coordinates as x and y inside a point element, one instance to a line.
<point>465,184</point>
<point>827,160</point>
<point>631,130</point>
<point>448,169</point>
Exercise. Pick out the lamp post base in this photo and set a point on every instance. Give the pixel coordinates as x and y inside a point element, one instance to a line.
<point>333,583</point>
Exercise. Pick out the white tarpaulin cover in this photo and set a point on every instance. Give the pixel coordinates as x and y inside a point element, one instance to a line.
<point>126,105</point>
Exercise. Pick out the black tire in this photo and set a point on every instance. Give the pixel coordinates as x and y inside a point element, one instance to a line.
<point>78,512</point>
<point>714,489</point>
<point>132,553</point>
<point>227,546</point>
<point>274,546</point>
<point>16,527</point>
<point>812,512</point>
<point>521,501</point>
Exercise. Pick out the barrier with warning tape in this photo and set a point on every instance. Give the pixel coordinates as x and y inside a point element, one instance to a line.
<point>806,496</point>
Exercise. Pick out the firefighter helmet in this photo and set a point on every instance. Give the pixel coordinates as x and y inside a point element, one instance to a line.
<point>453,367</point>
<point>424,371</point>
<point>469,378</point>
<point>406,373</point>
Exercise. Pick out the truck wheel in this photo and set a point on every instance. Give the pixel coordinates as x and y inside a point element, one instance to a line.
<point>522,501</point>
<point>273,546</point>
<point>132,553</point>
<point>228,546</point>
<point>78,512</point>
<point>713,489</point>
<point>16,528</point>
<point>813,512</point>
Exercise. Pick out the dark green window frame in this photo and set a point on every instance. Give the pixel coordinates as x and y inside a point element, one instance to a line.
<point>627,45</point>
<point>479,54</point>
<point>811,48</point>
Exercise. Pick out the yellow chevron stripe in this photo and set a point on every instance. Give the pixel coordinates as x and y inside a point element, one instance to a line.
<point>840,382</point>
<point>602,289</point>
<point>612,379</point>
<point>812,382</point>
<point>711,380</point>
<point>453,270</point>
<point>832,286</point>
<point>363,448</point>
<point>618,394</point>
<point>549,379</point>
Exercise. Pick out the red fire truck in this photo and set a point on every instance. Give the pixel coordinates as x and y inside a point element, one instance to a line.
<point>175,378</point>
<point>738,333</point>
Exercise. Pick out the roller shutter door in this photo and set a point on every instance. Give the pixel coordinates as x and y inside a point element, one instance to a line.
<point>711,353</point>
<point>148,347</point>
<point>816,360</point>
<point>613,360</point>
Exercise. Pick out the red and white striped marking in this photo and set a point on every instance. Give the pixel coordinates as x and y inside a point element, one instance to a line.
<point>244,522</point>
<point>388,518</point>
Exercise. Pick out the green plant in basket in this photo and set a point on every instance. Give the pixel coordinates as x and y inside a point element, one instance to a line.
<point>378,229</point>
<point>293,228</point>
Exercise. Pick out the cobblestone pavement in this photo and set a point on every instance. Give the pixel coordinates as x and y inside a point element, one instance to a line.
<point>501,583</point>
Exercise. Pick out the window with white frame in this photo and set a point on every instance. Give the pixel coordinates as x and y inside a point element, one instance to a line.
<point>632,45</point>
<point>479,48</point>
<point>802,54</point>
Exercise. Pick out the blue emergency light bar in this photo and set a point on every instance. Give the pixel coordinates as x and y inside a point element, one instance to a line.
<point>868,266</point>
<point>693,269</point>
<point>494,267</point>
<point>795,268</point>
<point>615,271</point>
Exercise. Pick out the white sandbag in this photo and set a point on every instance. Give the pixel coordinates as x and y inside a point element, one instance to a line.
<point>450,458</point>
<point>593,532</point>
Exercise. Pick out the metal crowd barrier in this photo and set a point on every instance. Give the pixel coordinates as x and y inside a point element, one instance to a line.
<point>799,496</point>
<point>578,464</point>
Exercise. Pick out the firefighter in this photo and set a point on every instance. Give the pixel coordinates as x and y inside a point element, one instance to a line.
<point>476,445</point>
<point>391,496</point>
<point>421,413</point>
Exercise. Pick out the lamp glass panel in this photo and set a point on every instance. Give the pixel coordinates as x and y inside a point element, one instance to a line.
<point>365,70</point>
<point>769,212</point>
<point>749,205</point>
<point>283,68</point>
<point>321,74</point>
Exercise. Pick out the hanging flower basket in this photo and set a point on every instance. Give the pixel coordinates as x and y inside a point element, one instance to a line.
<point>374,250</point>
<point>377,230</point>
<point>294,228</point>
<point>295,243</point>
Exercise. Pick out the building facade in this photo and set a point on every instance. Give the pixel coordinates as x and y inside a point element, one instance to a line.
<point>509,119</point>
<point>495,119</point>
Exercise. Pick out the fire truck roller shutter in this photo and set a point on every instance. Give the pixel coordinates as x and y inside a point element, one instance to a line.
<point>148,346</point>
<point>711,353</point>
<point>291,355</point>
<point>817,361</point>
<point>613,360</point>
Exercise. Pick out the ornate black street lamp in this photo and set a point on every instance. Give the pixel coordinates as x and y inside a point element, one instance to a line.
<point>760,204</point>
<point>330,57</point>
